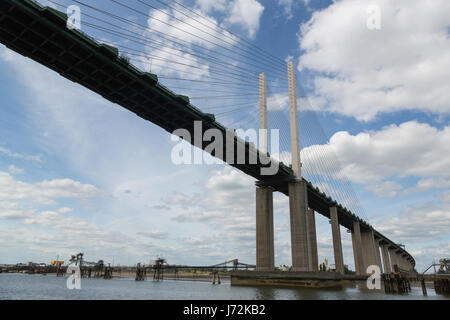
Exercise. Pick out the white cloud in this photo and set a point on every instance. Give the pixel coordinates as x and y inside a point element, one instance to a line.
<point>163,63</point>
<point>362,73</point>
<point>15,154</point>
<point>288,6</point>
<point>212,5</point>
<point>277,102</point>
<point>64,210</point>
<point>188,28</point>
<point>445,197</point>
<point>12,210</point>
<point>244,13</point>
<point>419,224</point>
<point>45,191</point>
<point>191,30</point>
<point>154,234</point>
<point>230,186</point>
<point>14,170</point>
<point>377,159</point>
<point>289,58</point>
<point>247,14</point>
<point>387,189</point>
<point>225,209</point>
<point>280,102</point>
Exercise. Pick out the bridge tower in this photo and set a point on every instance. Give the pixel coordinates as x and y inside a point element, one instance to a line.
<point>265,258</point>
<point>337,242</point>
<point>298,197</point>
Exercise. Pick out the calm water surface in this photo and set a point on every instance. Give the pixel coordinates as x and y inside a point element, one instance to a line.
<point>23,286</point>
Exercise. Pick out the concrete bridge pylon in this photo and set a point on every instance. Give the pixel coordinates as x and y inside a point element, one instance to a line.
<point>265,257</point>
<point>298,196</point>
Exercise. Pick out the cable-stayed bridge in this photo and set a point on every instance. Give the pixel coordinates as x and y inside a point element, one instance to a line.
<point>42,34</point>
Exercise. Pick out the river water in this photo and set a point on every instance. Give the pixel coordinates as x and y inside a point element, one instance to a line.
<point>40,287</point>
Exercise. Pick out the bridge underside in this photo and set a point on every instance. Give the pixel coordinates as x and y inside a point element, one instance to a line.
<point>40,33</point>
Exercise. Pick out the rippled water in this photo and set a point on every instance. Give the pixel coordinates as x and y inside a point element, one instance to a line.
<point>23,286</point>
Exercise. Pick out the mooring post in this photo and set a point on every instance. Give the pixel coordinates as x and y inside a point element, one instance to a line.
<point>424,287</point>
<point>141,272</point>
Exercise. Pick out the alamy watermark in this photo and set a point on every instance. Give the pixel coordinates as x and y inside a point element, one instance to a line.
<point>74,279</point>
<point>374,280</point>
<point>74,17</point>
<point>239,147</point>
<point>373,21</point>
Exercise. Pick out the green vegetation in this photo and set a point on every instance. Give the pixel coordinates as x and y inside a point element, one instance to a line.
<point>348,271</point>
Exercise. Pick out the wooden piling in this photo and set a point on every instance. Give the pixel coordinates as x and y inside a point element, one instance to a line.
<point>442,286</point>
<point>424,287</point>
<point>141,273</point>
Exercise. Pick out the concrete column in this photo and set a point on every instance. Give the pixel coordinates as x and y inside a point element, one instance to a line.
<point>369,253</point>
<point>393,256</point>
<point>398,259</point>
<point>404,262</point>
<point>377,254</point>
<point>386,259</point>
<point>405,267</point>
<point>410,264</point>
<point>265,259</point>
<point>357,249</point>
<point>263,114</point>
<point>313,240</point>
<point>337,242</point>
<point>298,207</point>
<point>295,140</point>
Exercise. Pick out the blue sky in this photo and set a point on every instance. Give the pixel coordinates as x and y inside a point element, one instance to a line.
<point>79,174</point>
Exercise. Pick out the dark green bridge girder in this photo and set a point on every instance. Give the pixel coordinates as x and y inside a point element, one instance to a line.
<point>40,33</point>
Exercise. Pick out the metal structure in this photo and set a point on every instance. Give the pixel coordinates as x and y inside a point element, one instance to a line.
<point>235,265</point>
<point>444,266</point>
<point>88,267</point>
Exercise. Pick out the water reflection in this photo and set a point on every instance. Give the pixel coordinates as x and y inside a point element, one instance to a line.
<point>265,293</point>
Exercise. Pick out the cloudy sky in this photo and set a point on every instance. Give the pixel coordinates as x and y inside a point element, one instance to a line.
<point>80,174</point>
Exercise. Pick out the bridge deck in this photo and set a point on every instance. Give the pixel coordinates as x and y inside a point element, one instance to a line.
<point>40,33</point>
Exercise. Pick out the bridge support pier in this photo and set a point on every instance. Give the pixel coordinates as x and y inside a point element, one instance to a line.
<point>405,262</point>
<point>298,207</point>
<point>386,259</point>
<point>357,249</point>
<point>377,254</point>
<point>393,256</point>
<point>337,242</point>
<point>369,249</point>
<point>401,262</point>
<point>313,240</point>
<point>409,265</point>
<point>265,258</point>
